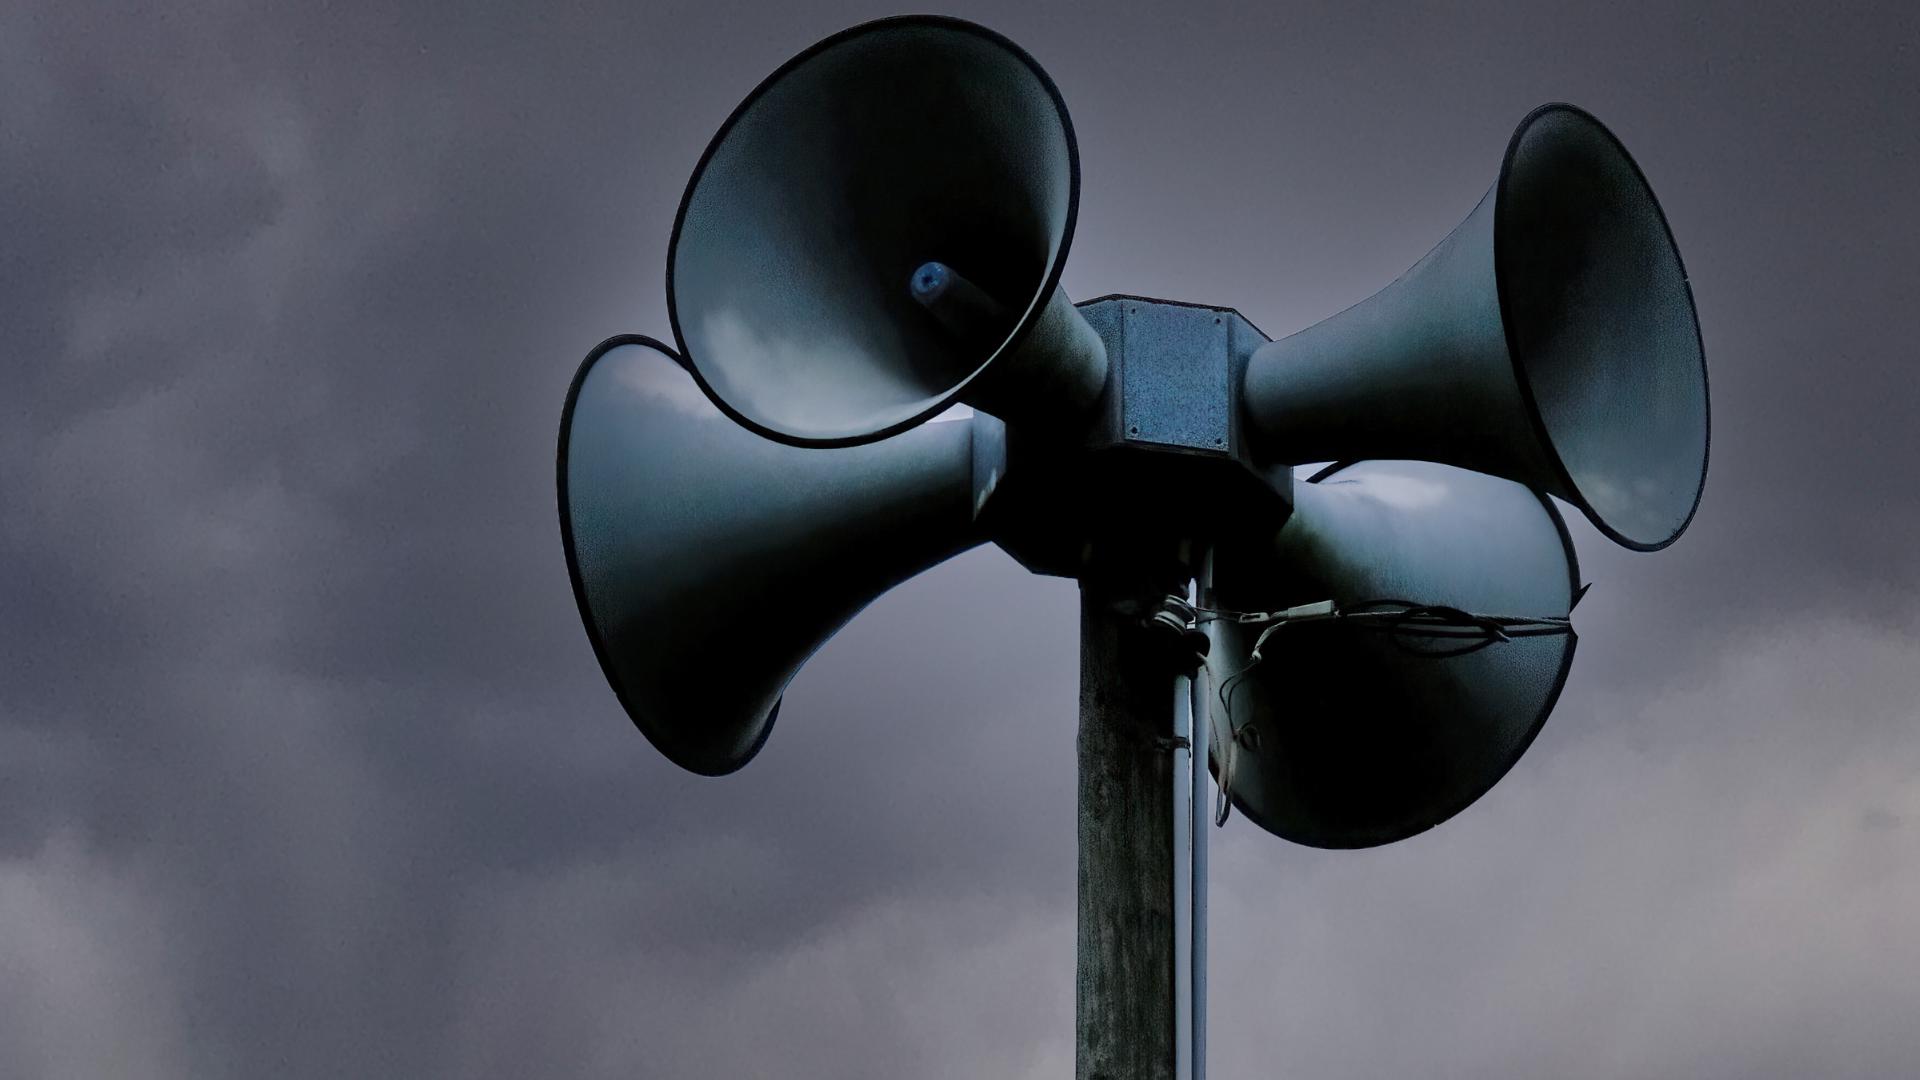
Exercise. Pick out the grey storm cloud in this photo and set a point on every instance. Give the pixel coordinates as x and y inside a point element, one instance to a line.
<point>306,768</point>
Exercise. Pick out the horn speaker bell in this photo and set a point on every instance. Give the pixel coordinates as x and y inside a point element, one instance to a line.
<point>1350,735</point>
<point>794,275</point>
<point>709,563</point>
<point>1550,339</point>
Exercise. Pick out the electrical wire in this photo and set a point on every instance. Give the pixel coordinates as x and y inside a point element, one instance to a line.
<point>1403,621</point>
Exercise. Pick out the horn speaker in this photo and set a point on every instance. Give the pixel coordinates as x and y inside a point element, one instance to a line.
<point>709,563</point>
<point>1550,339</point>
<point>877,232</point>
<point>1352,732</point>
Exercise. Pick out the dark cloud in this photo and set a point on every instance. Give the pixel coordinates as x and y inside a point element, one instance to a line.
<point>306,767</point>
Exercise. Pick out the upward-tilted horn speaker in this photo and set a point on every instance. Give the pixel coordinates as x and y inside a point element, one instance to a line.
<point>878,232</point>
<point>1426,643</point>
<point>1550,339</point>
<point>710,563</point>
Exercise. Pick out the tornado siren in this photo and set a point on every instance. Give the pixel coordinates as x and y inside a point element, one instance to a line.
<point>878,232</point>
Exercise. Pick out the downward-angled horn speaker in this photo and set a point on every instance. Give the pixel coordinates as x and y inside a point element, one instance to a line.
<point>1372,725</point>
<point>877,232</point>
<point>1550,338</point>
<point>709,563</point>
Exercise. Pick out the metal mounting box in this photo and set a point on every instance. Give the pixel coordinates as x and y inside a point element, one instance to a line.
<point>1160,454</point>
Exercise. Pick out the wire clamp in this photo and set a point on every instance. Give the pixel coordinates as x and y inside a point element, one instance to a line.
<point>1178,621</point>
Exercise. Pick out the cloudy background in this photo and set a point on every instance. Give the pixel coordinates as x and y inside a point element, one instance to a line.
<point>307,770</point>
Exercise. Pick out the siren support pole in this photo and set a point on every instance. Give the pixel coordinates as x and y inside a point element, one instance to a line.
<point>1140,1003</point>
<point>1124,984</point>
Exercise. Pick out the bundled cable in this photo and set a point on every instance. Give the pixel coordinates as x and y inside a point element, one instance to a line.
<point>1414,628</point>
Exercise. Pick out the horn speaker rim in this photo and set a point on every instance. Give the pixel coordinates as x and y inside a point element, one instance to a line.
<point>1509,313</point>
<point>1042,296</point>
<point>601,654</point>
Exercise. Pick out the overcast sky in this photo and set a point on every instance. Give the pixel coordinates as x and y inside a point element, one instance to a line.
<point>307,769</point>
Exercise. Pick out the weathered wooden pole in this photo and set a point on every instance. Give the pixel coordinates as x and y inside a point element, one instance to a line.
<point>1125,987</point>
